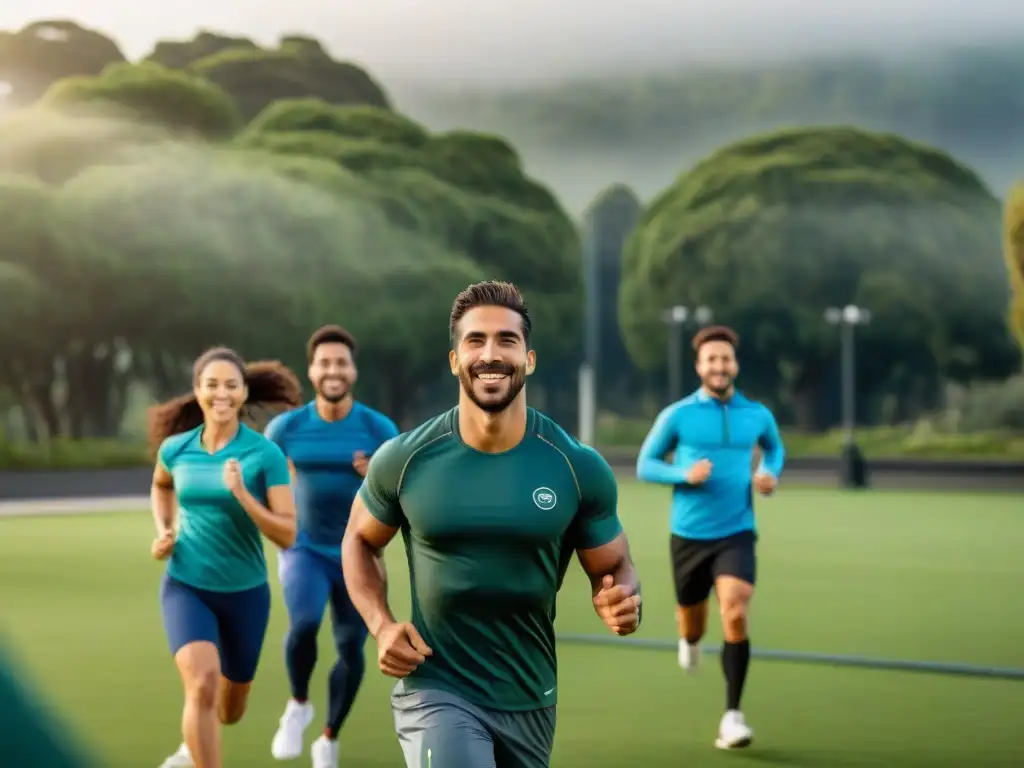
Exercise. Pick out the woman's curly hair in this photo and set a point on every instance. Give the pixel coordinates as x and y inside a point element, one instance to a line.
<point>270,383</point>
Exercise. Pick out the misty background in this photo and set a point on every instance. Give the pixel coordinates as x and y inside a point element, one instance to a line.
<point>451,64</point>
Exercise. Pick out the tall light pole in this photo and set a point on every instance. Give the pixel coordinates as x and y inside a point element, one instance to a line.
<point>854,472</point>
<point>676,318</point>
<point>587,379</point>
<point>848,318</point>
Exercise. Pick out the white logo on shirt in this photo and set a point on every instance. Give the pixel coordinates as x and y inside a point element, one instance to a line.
<point>545,498</point>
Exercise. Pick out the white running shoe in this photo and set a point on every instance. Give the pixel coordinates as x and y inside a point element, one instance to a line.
<point>324,753</point>
<point>733,731</point>
<point>287,743</point>
<point>689,656</point>
<point>180,759</point>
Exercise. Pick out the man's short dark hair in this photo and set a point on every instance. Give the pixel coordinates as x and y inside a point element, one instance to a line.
<point>715,333</point>
<point>490,293</point>
<point>329,334</point>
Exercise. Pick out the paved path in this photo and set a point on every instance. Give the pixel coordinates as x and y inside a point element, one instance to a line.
<point>73,506</point>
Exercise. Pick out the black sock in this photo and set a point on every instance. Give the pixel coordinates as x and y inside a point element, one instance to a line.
<point>735,660</point>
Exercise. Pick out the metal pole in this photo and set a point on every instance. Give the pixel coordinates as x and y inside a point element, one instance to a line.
<point>849,393</point>
<point>587,402</point>
<point>587,405</point>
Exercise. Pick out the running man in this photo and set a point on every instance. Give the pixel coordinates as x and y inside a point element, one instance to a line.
<point>217,486</point>
<point>328,444</point>
<point>492,499</point>
<point>713,434</point>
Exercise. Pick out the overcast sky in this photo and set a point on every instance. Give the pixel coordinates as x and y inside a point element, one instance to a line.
<point>517,40</point>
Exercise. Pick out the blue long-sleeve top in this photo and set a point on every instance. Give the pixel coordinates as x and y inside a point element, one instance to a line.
<point>725,433</point>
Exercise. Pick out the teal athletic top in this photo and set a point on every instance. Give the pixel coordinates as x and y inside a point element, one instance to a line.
<point>219,548</point>
<point>489,537</point>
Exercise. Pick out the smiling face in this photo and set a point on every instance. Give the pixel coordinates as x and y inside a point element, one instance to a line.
<point>491,358</point>
<point>220,390</point>
<point>717,367</point>
<point>332,371</point>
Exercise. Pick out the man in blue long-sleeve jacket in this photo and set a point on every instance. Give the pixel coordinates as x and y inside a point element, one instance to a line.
<point>712,434</point>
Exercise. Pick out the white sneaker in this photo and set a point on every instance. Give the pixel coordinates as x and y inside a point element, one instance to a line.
<point>324,753</point>
<point>733,731</point>
<point>689,656</point>
<point>180,759</point>
<point>287,743</point>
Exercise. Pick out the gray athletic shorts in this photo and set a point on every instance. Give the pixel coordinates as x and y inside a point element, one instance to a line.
<point>437,729</point>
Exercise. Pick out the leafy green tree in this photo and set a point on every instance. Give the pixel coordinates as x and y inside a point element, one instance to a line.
<point>1014,226</point>
<point>152,94</point>
<point>256,79</point>
<point>179,54</point>
<point>48,327</point>
<point>467,192</point>
<point>143,236</point>
<point>771,231</point>
<point>41,53</point>
<point>44,144</point>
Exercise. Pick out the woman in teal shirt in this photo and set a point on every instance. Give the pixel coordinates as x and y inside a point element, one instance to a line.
<point>218,488</point>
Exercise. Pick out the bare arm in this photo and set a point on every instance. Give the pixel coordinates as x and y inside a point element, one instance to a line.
<point>612,559</point>
<point>362,562</point>
<point>163,502</point>
<point>615,584</point>
<point>276,521</point>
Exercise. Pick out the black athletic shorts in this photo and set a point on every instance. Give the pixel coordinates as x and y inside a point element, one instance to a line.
<point>697,563</point>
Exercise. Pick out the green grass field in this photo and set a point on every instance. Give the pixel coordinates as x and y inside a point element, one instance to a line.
<point>896,575</point>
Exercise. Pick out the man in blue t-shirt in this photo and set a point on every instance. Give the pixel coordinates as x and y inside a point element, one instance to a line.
<point>713,434</point>
<point>329,443</point>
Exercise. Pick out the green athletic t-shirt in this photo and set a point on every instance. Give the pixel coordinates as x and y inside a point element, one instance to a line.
<point>488,539</point>
<point>219,547</point>
<point>30,737</point>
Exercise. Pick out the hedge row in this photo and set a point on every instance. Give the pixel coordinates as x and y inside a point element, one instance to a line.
<point>623,438</point>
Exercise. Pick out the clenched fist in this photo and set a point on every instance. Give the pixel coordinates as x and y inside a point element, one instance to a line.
<point>163,546</point>
<point>618,606</point>
<point>400,649</point>
<point>699,472</point>
<point>765,483</point>
<point>233,476</point>
<point>360,463</point>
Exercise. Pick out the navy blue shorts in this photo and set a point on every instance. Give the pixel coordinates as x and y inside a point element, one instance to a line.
<point>236,622</point>
<point>310,581</point>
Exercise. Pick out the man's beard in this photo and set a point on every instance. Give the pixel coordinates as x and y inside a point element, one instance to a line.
<point>335,397</point>
<point>515,382</point>
<point>720,389</point>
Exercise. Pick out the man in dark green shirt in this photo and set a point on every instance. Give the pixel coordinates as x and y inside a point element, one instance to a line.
<point>492,499</point>
<point>29,738</point>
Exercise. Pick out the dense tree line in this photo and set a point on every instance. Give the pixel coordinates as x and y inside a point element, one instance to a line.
<point>146,216</point>
<point>220,192</point>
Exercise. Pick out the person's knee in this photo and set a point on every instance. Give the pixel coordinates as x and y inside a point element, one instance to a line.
<point>202,685</point>
<point>303,629</point>
<point>735,605</point>
<point>734,618</point>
